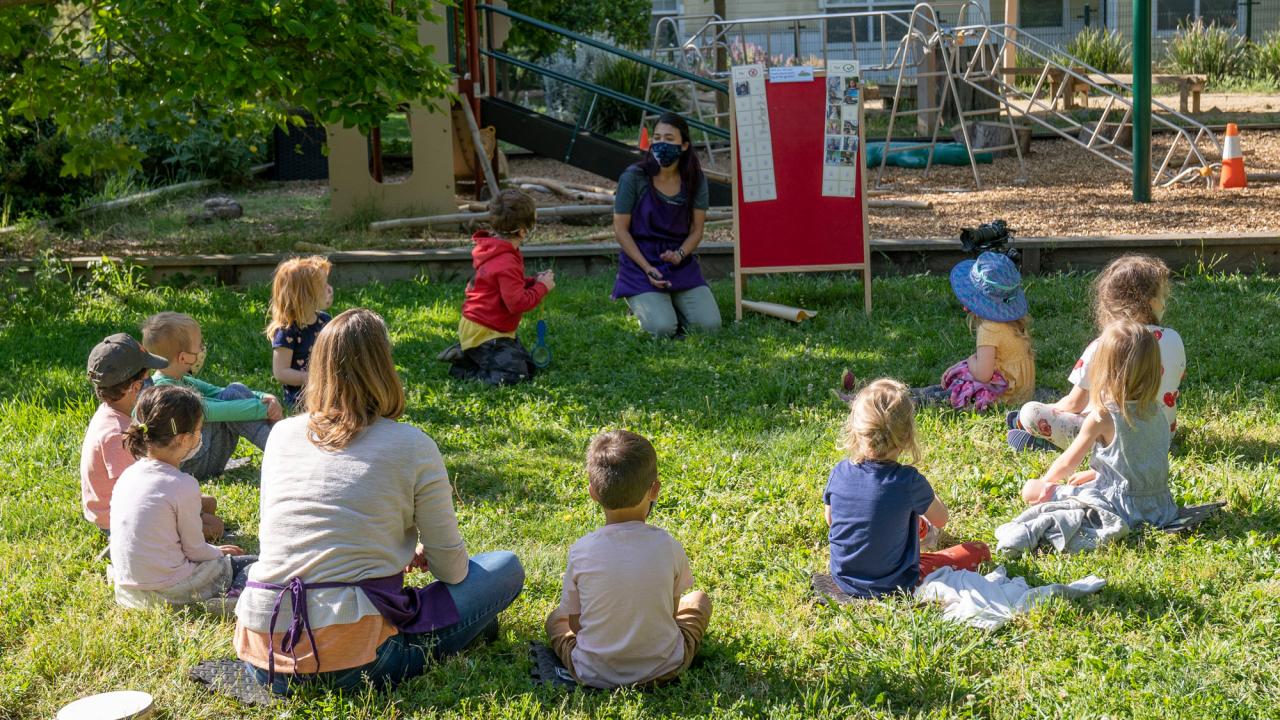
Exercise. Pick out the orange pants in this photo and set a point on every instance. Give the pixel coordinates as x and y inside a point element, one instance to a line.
<point>965,556</point>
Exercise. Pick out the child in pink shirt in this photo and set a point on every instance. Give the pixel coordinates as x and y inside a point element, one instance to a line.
<point>622,619</point>
<point>118,368</point>
<point>158,551</point>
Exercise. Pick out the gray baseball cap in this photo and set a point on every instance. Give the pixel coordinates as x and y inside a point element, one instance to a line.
<point>119,358</point>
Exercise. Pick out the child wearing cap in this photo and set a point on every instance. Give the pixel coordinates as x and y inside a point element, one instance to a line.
<point>230,412</point>
<point>1002,369</point>
<point>118,370</point>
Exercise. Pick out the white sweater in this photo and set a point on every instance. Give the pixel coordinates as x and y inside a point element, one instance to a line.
<point>347,516</point>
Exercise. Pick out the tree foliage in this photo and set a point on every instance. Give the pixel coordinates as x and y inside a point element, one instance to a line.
<point>99,71</point>
<point>626,22</point>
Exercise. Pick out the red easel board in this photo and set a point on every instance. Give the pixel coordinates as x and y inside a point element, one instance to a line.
<point>800,229</point>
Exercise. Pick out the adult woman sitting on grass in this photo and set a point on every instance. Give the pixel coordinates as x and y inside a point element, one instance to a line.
<point>347,493</point>
<point>658,216</point>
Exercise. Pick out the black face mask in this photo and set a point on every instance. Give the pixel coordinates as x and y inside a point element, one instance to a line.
<point>665,153</point>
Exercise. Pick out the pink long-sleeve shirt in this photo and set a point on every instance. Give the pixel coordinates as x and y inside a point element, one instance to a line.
<point>156,533</point>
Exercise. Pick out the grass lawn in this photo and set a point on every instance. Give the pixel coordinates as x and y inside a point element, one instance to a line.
<point>745,430</point>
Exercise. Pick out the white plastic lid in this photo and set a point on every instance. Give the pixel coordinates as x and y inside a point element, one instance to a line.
<point>119,705</point>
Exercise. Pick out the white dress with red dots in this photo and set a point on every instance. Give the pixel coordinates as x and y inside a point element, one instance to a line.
<point>1061,428</point>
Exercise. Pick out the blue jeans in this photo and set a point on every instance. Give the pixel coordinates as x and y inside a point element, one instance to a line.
<point>494,580</point>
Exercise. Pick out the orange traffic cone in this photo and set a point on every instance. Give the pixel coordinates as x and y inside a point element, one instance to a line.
<point>644,138</point>
<point>1232,160</point>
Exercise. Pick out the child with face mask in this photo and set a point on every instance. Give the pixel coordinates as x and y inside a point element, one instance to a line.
<point>658,216</point>
<point>230,412</point>
<point>158,551</point>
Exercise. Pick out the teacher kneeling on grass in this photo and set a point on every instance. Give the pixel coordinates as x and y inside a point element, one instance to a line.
<point>658,215</point>
<point>351,500</point>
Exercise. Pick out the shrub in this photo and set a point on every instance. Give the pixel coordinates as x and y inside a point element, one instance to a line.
<point>1209,50</point>
<point>628,78</point>
<point>1265,58</point>
<point>1105,50</point>
<point>212,150</point>
<point>31,180</point>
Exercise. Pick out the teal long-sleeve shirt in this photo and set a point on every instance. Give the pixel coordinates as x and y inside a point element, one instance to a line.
<point>216,410</point>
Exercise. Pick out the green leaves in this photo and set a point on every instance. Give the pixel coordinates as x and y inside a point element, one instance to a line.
<point>135,64</point>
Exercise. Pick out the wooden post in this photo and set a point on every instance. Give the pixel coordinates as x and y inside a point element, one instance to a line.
<point>1011,13</point>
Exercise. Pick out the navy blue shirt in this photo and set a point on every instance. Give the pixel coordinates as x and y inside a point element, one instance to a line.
<point>875,518</point>
<point>299,340</point>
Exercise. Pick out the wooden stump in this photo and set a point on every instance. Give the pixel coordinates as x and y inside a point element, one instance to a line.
<point>987,134</point>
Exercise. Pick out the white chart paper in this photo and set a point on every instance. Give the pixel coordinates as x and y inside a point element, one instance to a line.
<point>840,129</point>
<point>755,141</point>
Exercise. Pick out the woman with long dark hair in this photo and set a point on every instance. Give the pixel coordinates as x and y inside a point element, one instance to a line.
<point>658,216</point>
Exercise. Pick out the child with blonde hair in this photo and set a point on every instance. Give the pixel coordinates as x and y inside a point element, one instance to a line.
<point>300,294</point>
<point>1002,369</point>
<point>877,509</point>
<point>230,412</point>
<point>1125,431</point>
<point>158,551</point>
<point>1131,287</point>
<point>498,296</point>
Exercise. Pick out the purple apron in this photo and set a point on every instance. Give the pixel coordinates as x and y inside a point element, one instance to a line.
<point>658,226</point>
<point>411,610</point>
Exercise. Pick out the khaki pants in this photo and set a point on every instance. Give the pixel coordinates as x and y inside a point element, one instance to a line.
<point>693,615</point>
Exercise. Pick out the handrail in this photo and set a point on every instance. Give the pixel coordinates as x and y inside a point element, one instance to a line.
<point>586,40</point>
<point>599,89</point>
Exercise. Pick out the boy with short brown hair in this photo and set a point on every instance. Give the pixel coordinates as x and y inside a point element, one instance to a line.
<point>622,619</point>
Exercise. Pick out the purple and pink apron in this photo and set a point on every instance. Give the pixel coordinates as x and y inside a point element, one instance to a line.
<point>411,610</point>
<point>658,226</point>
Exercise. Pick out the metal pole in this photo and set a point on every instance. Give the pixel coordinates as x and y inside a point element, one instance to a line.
<point>1248,19</point>
<point>1142,100</point>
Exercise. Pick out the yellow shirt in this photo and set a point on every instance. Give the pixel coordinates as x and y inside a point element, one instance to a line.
<point>473,334</point>
<point>1013,359</point>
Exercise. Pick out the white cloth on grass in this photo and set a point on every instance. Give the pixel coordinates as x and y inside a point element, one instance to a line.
<point>1072,524</point>
<point>989,601</point>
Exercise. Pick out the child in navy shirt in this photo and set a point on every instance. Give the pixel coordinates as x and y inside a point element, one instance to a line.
<point>878,509</point>
<point>300,294</point>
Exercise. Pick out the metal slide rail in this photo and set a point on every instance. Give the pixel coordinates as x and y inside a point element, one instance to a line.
<point>706,106</point>
<point>1192,146</point>
<point>594,90</point>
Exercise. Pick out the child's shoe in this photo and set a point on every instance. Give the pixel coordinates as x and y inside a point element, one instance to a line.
<point>1022,441</point>
<point>1011,420</point>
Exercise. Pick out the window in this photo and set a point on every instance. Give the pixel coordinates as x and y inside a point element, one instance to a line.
<point>1041,14</point>
<point>1171,14</point>
<point>840,31</point>
<point>663,9</point>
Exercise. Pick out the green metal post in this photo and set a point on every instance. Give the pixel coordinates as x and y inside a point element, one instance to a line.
<point>1248,19</point>
<point>1142,100</point>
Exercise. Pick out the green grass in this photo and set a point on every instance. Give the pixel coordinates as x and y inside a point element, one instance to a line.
<point>745,430</point>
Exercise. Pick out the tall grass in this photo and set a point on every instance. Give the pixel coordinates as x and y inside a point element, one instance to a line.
<point>1106,50</point>
<point>1210,50</point>
<point>1265,58</point>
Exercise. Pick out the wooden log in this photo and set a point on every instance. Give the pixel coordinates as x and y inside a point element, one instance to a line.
<point>575,195</point>
<point>550,185</point>
<point>543,212</point>
<point>900,204</point>
<point>304,246</point>
<point>489,179</point>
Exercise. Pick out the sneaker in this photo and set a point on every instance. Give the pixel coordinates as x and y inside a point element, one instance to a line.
<point>1011,420</point>
<point>1022,441</point>
<point>453,353</point>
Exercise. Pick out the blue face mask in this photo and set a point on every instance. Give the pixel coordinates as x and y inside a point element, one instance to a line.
<point>665,153</point>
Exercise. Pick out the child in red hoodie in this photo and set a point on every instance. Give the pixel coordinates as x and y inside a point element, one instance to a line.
<point>497,296</point>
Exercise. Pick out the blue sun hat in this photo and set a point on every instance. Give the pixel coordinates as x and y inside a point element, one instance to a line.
<point>990,287</point>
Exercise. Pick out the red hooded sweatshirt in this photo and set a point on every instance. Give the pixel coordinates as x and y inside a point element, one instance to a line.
<point>499,293</point>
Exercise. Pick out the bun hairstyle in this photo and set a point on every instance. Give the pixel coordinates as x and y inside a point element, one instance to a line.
<point>297,291</point>
<point>512,211</point>
<point>881,422</point>
<point>1125,288</point>
<point>163,413</point>
<point>1126,369</point>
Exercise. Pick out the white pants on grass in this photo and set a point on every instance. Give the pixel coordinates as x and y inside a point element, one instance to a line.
<point>662,314</point>
<point>1045,421</point>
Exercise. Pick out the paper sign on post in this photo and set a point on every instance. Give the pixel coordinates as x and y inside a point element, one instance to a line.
<point>791,73</point>
<point>755,141</point>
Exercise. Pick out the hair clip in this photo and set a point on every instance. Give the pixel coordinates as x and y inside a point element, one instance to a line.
<point>173,426</point>
<point>143,426</point>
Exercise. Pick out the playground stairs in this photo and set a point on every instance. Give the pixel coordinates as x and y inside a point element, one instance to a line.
<point>574,143</point>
